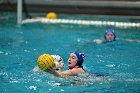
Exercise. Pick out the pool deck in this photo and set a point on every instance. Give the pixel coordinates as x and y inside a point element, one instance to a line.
<point>96,7</point>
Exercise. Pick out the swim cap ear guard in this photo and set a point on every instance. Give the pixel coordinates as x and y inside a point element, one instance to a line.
<point>80,57</point>
<point>110,31</point>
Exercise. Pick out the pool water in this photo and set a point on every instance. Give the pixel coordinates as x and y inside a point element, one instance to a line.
<point>20,47</point>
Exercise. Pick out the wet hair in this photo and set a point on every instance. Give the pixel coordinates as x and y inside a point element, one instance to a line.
<point>110,31</point>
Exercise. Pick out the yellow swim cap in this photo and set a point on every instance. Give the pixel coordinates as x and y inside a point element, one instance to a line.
<point>46,61</point>
<point>51,15</point>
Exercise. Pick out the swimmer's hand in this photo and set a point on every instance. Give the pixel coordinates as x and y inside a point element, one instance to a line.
<point>98,41</point>
<point>35,69</point>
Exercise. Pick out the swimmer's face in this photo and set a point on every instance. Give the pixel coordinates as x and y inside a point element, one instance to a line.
<point>72,61</point>
<point>110,36</point>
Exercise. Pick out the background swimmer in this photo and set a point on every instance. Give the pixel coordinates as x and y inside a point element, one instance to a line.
<point>111,36</point>
<point>108,37</point>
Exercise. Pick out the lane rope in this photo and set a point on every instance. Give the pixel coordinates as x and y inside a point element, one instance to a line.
<point>82,22</point>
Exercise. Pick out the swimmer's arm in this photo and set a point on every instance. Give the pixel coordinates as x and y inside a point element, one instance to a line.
<point>61,74</point>
<point>58,73</point>
<point>65,74</point>
<point>98,41</point>
<point>130,40</point>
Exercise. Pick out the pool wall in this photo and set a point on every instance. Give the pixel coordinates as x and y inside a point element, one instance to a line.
<point>96,7</point>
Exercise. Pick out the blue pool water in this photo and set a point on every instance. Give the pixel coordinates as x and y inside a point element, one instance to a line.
<point>20,47</point>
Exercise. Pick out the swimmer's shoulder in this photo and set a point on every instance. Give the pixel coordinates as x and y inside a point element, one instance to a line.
<point>78,70</point>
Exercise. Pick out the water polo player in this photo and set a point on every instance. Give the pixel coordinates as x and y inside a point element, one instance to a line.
<point>75,62</point>
<point>108,37</point>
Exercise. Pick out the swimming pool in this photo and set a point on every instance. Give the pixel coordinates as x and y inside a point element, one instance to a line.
<point>20,47</point>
